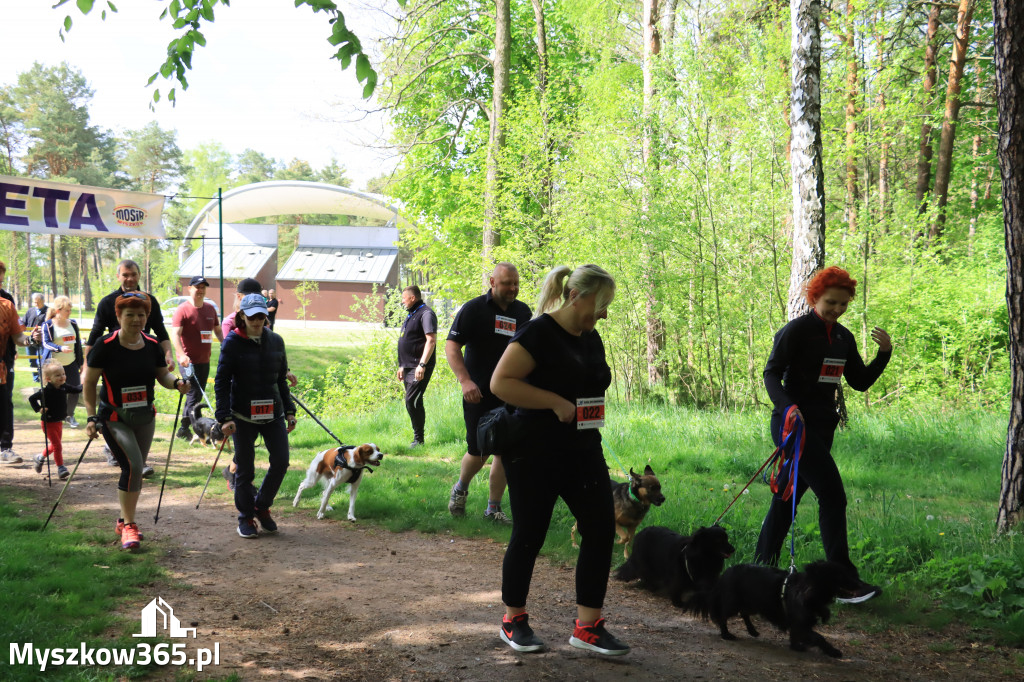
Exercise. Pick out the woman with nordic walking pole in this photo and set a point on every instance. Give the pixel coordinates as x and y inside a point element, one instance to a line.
<point>253,400</point>
<point>809,357</point>
<point>130,363</point>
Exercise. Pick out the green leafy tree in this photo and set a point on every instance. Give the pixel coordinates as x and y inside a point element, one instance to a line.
<point>252,166</point>
<point>189,17</point>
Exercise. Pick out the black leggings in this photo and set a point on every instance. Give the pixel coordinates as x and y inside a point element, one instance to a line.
<point>535,482</point>
<point>817,471</point>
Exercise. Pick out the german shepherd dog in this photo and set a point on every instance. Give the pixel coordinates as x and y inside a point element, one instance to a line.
<point>790,601</point>
<point>633,498</point>
<point>666,561</point>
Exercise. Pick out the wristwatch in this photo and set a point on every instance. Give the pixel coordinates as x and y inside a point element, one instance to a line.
<point>423,364</point>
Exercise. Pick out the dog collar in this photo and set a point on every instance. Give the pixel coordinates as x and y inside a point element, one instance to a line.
<point>632,491</point>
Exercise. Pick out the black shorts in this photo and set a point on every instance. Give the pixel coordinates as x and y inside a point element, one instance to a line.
<point>473,412</point>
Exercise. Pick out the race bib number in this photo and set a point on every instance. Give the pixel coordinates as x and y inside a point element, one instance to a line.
<point>133,396</point>
<point>506,326</point>
<point>831,371</point>
<point>206,337</point>
<point>262,410</point>
<point>68,338</point>
<point>589,413</point>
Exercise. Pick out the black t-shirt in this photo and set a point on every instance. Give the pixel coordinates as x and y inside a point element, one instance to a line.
<point>271,314</point>
<point>413,339</point>
<point>484,329</point>
<point>572,366</point>
<point>106,318</point>
<point>123,369</point>
<point>808,359</point>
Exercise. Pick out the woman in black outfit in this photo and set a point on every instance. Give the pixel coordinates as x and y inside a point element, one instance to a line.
<point>809,357</point>
<point>253,401</point>
<point>130,363</point>
<point>554,371</point>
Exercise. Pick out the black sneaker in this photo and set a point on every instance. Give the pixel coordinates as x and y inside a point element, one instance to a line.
<point>184,433</point>
<point>518,634</point>
<point>457,502</point>
<point>147,471</point>
<point>248,530</point>
<point>62,472</point>
<point>596,638</point>
<point>266,523</point>
<point>415,443</point>
<point>861,594</point>
<point>498,518</point>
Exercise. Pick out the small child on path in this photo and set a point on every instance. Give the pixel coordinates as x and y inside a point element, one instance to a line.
<point>51,402</point>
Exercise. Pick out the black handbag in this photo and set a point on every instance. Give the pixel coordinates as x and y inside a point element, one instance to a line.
<point>498,431</point>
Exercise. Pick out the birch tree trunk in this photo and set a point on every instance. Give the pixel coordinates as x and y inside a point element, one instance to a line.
<point>883,129</point>
<point>502,57</point>
<point>806,152</point>
<point>944,164</point>
<point>1009,63</point>
<point>924,154</point>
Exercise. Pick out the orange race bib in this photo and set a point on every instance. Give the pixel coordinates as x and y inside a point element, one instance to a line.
<point>506,326</point>
<point>261,410</point>
<point>133,396</point>
<point>589,413</point>
<point>831,371</point>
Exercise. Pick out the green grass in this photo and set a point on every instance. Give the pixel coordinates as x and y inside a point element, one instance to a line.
<point>63,586</point>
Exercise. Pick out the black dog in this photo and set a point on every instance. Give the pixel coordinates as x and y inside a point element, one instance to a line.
<point>206,430</point>
<point>664,560</point>
<point>790,601</point>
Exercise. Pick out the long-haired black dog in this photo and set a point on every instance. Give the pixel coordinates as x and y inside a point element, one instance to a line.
<point>666,561</point>
<point>790,601</point>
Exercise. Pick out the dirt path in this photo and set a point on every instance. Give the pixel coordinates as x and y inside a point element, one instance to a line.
<point>331,600</point>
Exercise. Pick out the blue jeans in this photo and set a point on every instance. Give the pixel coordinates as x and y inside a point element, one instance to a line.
<point>275,437</point>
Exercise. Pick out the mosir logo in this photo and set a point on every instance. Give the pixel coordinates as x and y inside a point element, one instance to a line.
<point>159,614</point>
<point>130,216</point>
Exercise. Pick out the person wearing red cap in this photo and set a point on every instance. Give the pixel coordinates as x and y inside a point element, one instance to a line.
<point>193,328</point>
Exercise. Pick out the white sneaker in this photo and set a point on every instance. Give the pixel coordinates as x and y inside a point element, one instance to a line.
<point>8,457</point>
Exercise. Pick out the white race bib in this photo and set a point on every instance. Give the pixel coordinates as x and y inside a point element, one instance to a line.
<point>206,337</point>
<point>831,371</point>
<point>133,396</point>
<point>261,410</point>
<point>589,413</point>
<point>506,326</point>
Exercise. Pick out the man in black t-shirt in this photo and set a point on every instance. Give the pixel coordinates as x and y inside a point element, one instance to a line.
<point>272,305</point>
<point>483,326</point>
<point>416,358</point>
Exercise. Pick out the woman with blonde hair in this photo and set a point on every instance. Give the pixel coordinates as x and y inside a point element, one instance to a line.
<point>554,371</point>
<point>63,343</point>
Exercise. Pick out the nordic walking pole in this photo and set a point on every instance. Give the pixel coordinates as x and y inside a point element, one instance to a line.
<point>299,403</point>
<point>80,458</point>
<point>212,469</point>
<point>42,416</point>
<point>167,464</point>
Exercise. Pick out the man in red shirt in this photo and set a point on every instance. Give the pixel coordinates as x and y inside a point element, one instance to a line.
<point>193,329</point>
<point>10,329</point>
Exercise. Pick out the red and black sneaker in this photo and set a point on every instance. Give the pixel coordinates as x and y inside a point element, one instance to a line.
<point>518,634</point>
<point>596,638</point>
<point>130,536</point>
<point>119,529</point>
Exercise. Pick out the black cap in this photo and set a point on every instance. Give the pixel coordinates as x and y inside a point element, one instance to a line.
<point>197,280</point>
<point>249,286</point>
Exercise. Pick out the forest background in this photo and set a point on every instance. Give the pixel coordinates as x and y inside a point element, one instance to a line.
<point>660,154</point>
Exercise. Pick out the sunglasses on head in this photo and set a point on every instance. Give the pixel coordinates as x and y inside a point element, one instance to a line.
<point>135,294</point>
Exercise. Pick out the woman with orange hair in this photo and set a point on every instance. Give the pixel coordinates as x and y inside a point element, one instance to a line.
<point>810,356</point>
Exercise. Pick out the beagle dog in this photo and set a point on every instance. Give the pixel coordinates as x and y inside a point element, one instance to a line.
<point>339,465</point>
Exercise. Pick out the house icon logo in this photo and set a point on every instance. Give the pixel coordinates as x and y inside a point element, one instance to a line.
<point>158,615</point>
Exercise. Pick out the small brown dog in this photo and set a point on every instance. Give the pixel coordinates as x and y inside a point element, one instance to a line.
<point>633,498</point>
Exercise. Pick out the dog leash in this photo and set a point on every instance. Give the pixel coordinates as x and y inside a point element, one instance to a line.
<point>606,446</point>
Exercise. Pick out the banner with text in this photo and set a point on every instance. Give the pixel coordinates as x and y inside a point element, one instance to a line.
<point>30,205</point>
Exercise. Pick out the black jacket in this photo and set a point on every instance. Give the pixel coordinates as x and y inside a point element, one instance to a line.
<point>797,373</point>
<point>56,401</point>
<point>249,371</point>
